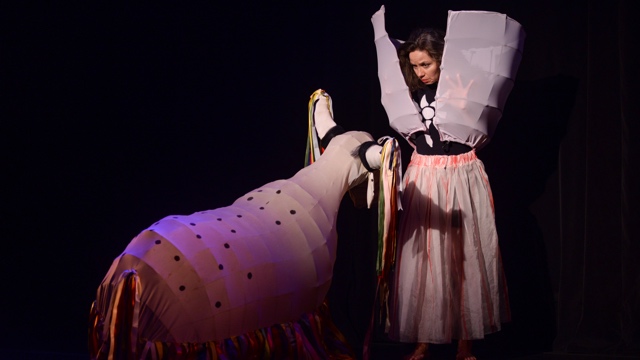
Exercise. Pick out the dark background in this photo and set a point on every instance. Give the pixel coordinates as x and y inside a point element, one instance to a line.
<point>116,114</point>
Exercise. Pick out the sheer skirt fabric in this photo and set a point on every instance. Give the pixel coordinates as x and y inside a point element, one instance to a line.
<point>449,283</point>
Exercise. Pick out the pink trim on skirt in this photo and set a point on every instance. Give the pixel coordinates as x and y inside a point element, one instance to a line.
<point>449,282</point>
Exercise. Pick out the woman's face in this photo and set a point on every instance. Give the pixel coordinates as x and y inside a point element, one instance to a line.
<point>427,69</point>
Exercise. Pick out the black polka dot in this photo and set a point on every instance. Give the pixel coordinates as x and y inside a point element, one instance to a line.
<point>292,212</point>
<point>261,207</point>
<point>239,216</point>
<point>176,258</point>
<point>192,224</point>
<point>278,222</point>
<point>260,190</point>
<point>250,198</point>
<point>220,267</point>
<point>219,219</point>
<point>198,236</point>
<point>182,287</point>
<point>278,192</point>
<point>249,276</point>
<point>158,241</point>
<point>226,245</point>
<point>233,231</point>
<point>218,304</point>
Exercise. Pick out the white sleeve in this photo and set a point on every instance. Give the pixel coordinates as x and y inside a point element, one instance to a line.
<point>482,53</point>
<point>403,113</point>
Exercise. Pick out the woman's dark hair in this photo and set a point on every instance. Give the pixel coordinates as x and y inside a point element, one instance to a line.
<point>426,39</point>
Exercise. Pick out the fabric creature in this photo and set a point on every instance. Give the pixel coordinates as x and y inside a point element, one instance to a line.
<point>250,278</point>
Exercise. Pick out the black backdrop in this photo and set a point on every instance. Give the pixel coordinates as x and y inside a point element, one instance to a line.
<point>115,115</point>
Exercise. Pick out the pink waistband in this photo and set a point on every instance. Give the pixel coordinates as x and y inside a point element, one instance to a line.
<point>443,160</point>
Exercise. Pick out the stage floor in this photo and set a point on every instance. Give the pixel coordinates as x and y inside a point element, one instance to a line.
<point>381,351</point>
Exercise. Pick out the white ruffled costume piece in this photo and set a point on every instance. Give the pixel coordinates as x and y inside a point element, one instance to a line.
<point>449,282</point>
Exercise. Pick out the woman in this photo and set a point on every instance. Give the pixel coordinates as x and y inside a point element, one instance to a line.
<point>420,58</point>
<point>449,282</point>
<point>426,286</point>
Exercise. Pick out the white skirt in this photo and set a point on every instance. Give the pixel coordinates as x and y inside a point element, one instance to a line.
<point>449,283</point>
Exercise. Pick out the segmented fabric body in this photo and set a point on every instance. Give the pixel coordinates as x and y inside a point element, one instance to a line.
<point>264,260</point>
